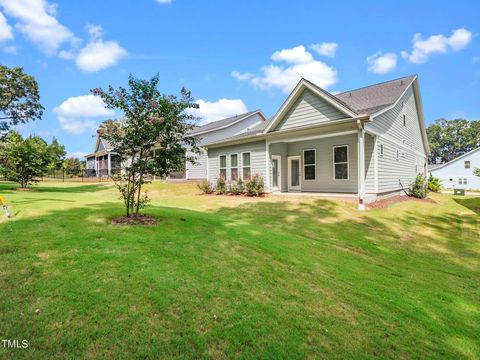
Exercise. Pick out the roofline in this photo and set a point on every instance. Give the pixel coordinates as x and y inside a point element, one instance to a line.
<point>263,135</point>
<point>304,83</point>
<point>380,83</point>
<point>233,123</point>
<point>457,158</point>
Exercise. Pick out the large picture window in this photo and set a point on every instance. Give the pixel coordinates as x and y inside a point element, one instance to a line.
<point>234,167</point>
<point>340,162</point>
<point>246,169</point>
<point>223,166</point>
<point>309,164</point>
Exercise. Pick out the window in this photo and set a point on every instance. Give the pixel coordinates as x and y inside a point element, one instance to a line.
<point>340,162</point>
<point>309,164</point>
<point>380,149</point>
<point>404,114</point>
<point>404,120</point>
<point>234,167</point>
<point>460,181</point>
<point>223,166</point>
<point>246,170</point>
<point>465,181</point>
<point>398,154</point>
<point>467,164</point>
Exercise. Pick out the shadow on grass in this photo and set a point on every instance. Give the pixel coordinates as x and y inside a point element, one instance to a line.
<point>288,259</point>
<point>470,203</point>
<point>9,187</point>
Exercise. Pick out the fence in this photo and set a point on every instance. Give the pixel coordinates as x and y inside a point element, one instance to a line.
<point>88,175</point>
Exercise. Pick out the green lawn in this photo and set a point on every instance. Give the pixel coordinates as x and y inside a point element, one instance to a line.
<point>238,277</point>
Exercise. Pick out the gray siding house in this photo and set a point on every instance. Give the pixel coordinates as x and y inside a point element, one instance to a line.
<point>370,142</point>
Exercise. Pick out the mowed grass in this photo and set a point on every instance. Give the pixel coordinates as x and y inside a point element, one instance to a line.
<point>237,277</point>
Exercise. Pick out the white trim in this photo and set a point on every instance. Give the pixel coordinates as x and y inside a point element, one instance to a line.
<point>375,164</point>
<point>340,133</point>
<point>243,166</point>
<point>302,85</point>
<point>314,164</point>
<point>267,164</point>
<point>207,164</point>
<point>220,168</point>
<point>289,173</point>
<point>361,168</point>
<point>279,173</point>
<point>348,162</point>
<point>237,167</point>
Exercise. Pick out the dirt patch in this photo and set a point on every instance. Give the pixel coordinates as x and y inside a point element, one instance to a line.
<point>134,220</point>
<point>23,189</point>
<point>385,203</point>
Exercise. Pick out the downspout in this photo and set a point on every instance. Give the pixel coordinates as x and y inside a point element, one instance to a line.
<point>361,165</point>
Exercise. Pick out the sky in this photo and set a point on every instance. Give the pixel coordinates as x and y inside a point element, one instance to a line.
<point>236,56</point>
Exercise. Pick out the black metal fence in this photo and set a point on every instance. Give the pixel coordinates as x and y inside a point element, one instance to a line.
<point>87,175</point>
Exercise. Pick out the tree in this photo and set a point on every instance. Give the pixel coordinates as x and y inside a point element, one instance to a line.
<point>451,138</point>
<point>476,171</point>
<point>72,166</point>
<point>23,160</point>
<point>19,98</point>
<point>151,138</point>
<point>57,155</point>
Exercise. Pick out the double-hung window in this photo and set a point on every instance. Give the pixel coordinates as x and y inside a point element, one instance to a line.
<point>467,164</point>
<point>233,167</point>
<point>246,169</point>
<point>223,166</point>
<point>309,164</point>
<point>340,162</point>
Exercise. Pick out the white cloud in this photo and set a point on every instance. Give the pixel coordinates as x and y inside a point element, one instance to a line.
<point>326,49</point>
<point>380,63</point>
<point>5,29</point>
<point>99,54</point>
<point>77,154</point>
<point>439,44</point>
<point>300,63</point>
<point>76,114</point>
<point>164,1</point>
<point>210,111</point>
<point>296,55</point>
<point>10,49</point>
<point>36,19</point>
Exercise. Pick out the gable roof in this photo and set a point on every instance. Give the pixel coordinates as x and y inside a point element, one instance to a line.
<point>454,160</point>
<point>374,98</point>
<point>224,123</point>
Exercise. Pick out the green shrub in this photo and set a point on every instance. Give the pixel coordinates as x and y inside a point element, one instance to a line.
<point>221,185</point>
<point>418,188</point>
<point>206,187</point>
<point>236,187</point>
<point>433,183</point>
<point>255,186</point>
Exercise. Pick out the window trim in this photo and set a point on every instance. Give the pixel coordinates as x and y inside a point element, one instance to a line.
<point>236,167</point>
<point>460,181</point>
<point>465,164</point>
<point>221,168</point>
<point>348,162</point>
<point>249,166</point>
<point>314,164</point>
<point>381,149</point>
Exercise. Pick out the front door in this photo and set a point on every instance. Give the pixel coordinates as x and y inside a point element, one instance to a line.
<point>294,173</point>
<point>276,169</point>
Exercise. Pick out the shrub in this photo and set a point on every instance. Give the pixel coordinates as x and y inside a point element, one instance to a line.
<point>206,187</point>
<point>236,187</point>
<point>255,186</point>
<point>433,183</point>
<point>221,185</point>
<point>417,187</point>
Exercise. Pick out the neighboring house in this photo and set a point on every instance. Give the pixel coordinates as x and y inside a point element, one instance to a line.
<point>458,173</point>
<point>369,141</point>
<point>103,161</point>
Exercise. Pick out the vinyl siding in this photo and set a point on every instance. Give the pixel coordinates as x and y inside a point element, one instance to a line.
<point>369,163</point>
<point>393,173</point>
<point>199,169</point>
<point>456,170</point>
<point>309,110</point>
<point>324,179</point>
<point>257,159</point>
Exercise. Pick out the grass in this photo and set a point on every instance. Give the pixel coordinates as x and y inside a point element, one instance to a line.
<point>236,277</point>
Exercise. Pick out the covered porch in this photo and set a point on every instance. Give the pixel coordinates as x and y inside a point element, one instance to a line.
<point>103,163</point>
<point>329,164</point>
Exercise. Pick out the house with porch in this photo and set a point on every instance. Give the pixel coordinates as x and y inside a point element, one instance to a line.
<point>103,162</point>
<point>369,142</point>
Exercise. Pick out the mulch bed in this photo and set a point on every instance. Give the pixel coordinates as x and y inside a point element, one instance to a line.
<point>23,189</point>
<point>134,220</point>
<point>385,203</point>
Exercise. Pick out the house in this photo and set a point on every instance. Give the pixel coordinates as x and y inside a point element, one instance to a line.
<point>103,161</point>
<point>369,142</point>
<point>458,173</point>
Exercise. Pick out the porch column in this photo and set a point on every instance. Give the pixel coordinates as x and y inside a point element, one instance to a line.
<point>267,169</point>
<point>109,164</point>
<point>361,167</point>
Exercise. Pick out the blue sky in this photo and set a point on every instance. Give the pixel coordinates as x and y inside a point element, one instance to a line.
<point>236,56</point>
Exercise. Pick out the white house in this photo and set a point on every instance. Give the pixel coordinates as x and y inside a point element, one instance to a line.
<point>458,173</point>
